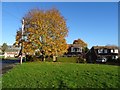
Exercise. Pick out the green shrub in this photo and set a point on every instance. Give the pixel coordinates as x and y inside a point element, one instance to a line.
<point>67,59</point>
<point>81,60</point>
<point>118,60</point>
<point>110,60</point>
<point>32,58</point>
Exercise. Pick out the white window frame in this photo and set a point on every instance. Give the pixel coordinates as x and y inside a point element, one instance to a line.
<point>80,49</point>
<point>112,51</point>
<point>116,51</point>
<point>100,50</point>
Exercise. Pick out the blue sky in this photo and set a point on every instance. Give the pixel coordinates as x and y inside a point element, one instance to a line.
<point>94,22</point>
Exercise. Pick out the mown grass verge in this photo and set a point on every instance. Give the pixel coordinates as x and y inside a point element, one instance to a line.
<point>61,75</point>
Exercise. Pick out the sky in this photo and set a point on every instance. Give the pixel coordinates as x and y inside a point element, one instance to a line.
<point>96,23</point>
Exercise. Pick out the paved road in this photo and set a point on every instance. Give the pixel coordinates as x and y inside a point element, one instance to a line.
<point>6,65</point>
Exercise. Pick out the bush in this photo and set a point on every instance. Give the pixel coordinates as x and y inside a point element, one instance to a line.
<point>110,60</point>
<point>113,60</point>
<point>67,59</point>
<point>81,60</point>
<point>38,58</point>
<point>28,58</point>
<point>32,58</point>
<point>118,60</point>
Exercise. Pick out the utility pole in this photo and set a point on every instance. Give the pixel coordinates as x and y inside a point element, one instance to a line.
<point>22,42</point>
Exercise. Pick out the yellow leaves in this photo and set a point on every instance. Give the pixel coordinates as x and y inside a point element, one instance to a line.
<point>81,42</point>
<point>46,30</point>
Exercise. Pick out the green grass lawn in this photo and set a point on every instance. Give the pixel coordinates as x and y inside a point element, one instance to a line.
<point>61,75</point>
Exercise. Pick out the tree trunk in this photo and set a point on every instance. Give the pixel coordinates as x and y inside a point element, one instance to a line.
<point>54,58</point>
<point>21,59</point>
<point>25,57</point>
<point>44,58</point>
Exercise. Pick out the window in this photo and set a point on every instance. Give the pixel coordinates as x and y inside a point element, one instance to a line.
<point>80,49</point>
<point>100,50</point>
<point>76,49</point>
<point>72,49</point>
<point>116,50</point>
<point>105,51</point>
<point>112,51</point>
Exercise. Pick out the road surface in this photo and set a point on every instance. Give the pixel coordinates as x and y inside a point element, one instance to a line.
<point>6,65</point>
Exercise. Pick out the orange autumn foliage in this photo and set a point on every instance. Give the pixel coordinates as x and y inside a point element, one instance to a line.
<point>44,31</point>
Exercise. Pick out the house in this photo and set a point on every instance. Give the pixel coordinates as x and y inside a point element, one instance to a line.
<point>76,49</point>
<point>97,53</point>
<point>11,51</point>
<point>10,54</point>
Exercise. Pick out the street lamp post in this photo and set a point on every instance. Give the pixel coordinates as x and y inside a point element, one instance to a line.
<point>22,42</point>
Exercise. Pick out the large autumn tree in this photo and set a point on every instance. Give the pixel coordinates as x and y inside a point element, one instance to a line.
<point>44,32</point>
